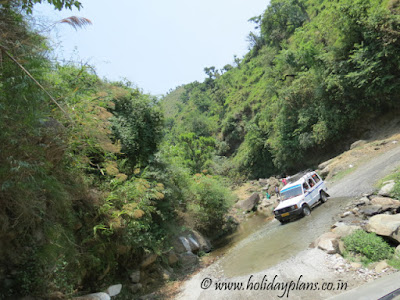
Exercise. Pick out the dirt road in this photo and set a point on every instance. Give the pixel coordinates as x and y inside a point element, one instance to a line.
<point>277,257</point>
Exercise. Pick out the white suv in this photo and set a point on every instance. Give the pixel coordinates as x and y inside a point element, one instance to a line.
<point>297,198</point>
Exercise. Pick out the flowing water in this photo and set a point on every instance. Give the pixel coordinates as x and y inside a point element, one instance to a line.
<point>259,245</point>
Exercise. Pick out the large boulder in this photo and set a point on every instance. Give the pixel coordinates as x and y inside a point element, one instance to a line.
<point>249,203</point>
<point>328,242</point>
<point>345,230</point>
<point>387,188</point>
<point>371,210</point>
<point>385,225</point>
<point>385,201</point>
<point>204,244</point>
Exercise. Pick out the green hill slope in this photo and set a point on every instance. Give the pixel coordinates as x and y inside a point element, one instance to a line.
<point>314,73</point>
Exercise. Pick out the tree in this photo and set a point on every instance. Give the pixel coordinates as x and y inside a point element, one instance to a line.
<point>27,5</point>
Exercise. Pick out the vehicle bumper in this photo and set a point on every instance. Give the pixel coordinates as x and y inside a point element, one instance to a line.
<point>289,215</point>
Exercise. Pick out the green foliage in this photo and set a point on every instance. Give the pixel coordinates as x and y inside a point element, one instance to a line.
<point>196,151</point>
<point>314,72</point>
<point>27,5</point>
<point>211,202</point>
<point>137,123</point>
<point>373,247</point>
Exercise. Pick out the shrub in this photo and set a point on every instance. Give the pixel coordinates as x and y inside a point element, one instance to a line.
<point>373,247</point>
<point>211,203</point>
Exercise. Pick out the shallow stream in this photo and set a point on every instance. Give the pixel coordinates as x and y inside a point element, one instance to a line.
<point>259,244</point>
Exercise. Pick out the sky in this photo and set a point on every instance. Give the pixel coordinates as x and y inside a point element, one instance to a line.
<point>156,44</point>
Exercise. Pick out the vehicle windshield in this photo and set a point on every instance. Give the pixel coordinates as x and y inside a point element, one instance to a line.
<point>291,192</point>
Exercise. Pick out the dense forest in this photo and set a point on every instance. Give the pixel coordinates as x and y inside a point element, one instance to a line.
<point>95,175</point>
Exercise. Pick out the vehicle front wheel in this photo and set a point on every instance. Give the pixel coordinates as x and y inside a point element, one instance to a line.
<point>324,197</point>
<point>306,210</point>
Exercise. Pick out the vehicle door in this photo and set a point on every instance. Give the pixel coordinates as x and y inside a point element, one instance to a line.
<point>307,194</point>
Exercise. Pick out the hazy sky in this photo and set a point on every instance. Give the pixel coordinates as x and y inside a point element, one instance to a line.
<point>156,44</point>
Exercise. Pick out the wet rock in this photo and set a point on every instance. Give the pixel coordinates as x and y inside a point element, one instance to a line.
<point>95,296</point>
<point>249,203</point>
<point>135,276</point>
<point>387,188</point>
<point>345,230</point>
<point>204,243</point>
<point>178,246</point>
<point>385,225</point>
<point>371,210</point>
<point>150,259</point>
<point>114,290</point>
<point>381,266</point>
<point>135,288</point>
<point>194,245</point>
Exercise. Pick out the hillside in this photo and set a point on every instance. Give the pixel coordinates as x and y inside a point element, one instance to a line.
<point>315,73</point>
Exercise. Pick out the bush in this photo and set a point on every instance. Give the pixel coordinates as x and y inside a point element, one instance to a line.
<point>211,203</point>
<point>373,247</point>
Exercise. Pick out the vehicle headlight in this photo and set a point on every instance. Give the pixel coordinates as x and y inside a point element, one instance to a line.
<point>294,207</point>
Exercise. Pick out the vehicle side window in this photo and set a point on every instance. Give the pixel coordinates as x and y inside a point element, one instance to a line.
<point>316,178</point>
<point>305,187</point>
<point>311,182</point>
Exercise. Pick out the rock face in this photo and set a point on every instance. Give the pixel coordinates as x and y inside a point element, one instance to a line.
<point>249,203</point>
<point>328,242</point>
<point>385,225</point>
